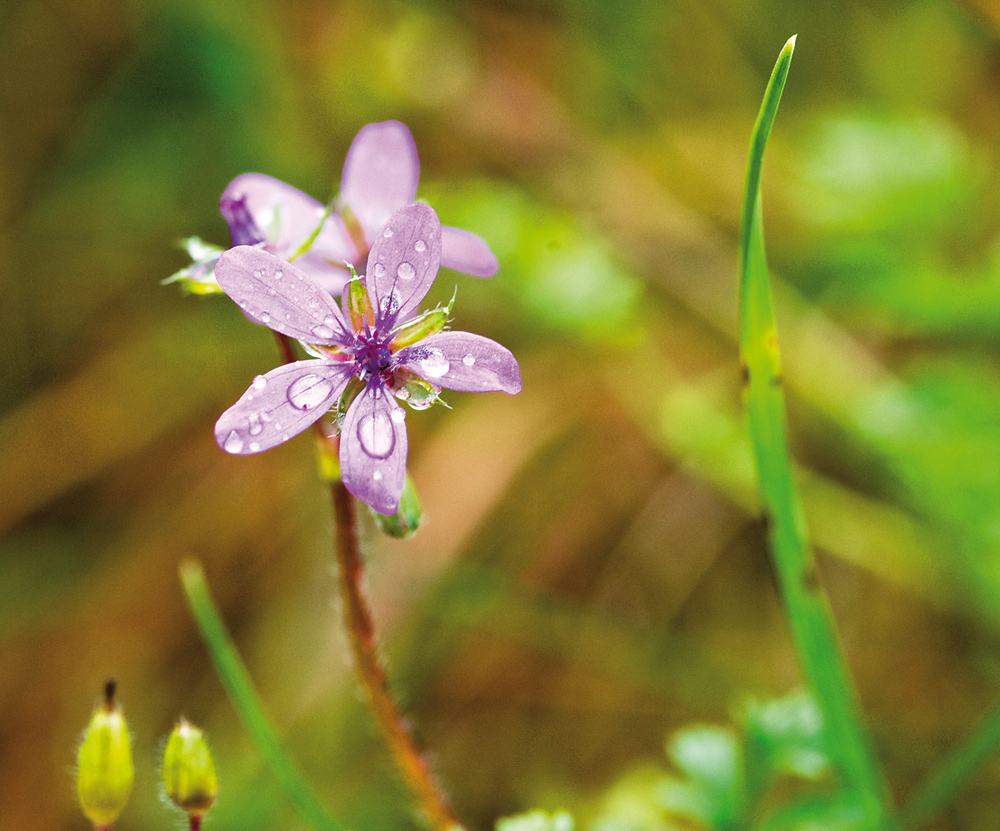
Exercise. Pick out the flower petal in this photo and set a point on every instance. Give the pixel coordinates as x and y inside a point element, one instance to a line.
<point>373,448</point>
<point>281,296</point>
<point>463,361</point>
<point>403,263</point>
<point>275,204</point>
<point>279,405</point>
<point>380,173</point>
<point>467,252</point>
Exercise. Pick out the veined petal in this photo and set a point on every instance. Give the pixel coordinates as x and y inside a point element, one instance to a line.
<point>275,204</point>
<point>279,405</point>
<point>380,173</point>
<point>330,278</point>
<point>281,296</point>
<point>403,263</point>
<point>373,449</point>
<point>463,361</point>
<point>467,252</point>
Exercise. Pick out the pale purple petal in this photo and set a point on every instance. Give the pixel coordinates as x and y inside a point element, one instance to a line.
<point>466,252</point>
<point>275,204</point>
<point>403,262</point>
<point>330,278</point>
<point>381,172</point>
<point>279,405</point>
<point>281,296</point>
<point>463,361</point>
<point>373,449</point>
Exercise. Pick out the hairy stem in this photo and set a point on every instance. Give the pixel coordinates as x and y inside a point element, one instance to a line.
<point>411,763</point>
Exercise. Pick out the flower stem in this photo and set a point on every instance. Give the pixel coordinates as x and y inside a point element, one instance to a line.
<point>411,763</point>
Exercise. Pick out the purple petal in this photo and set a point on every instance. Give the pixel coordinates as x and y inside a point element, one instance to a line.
<point>267,199</point>
<point>466,252</point>
<point>463,361</point>
<point>403,263</point>
<point>380,173</point>
<point>279,405</point>
<point>330,278</point>
<point>373,449</point>
<point>281,296</point>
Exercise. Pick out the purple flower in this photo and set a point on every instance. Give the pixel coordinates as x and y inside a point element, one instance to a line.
<point>380,175</point>
<point>375,340</point>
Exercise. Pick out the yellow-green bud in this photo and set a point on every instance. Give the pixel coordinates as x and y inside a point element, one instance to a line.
<point>104,769</point>
<point>188,772</point>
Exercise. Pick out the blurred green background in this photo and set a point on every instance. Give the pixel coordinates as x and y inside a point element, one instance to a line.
<point>593,573</point>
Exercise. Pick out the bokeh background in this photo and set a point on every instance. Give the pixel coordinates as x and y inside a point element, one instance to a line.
<point>593,573</point>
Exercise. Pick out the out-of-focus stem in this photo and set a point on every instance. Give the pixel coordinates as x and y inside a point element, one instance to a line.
<point>408,758</point>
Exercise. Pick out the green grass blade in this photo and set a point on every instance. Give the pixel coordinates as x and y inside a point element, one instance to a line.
<point>245,700</point>
<point>815,638</point>
<point>954,773</point>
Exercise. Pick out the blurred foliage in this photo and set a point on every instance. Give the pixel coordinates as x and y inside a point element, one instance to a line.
<point>591,574</point>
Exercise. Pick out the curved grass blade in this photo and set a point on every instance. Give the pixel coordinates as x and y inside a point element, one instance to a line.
<point>236,680</point>
<point>815,638</point>
<point>954,773</point>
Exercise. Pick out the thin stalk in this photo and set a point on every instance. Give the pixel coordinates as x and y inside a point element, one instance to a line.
<point>244,698</point>
<point>412,765</point>
<point>808,610</point>
<point>954,773</point>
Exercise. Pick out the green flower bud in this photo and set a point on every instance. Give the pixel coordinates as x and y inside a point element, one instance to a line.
<point>405,522</point>
<point>188,772</point>
<point>104,769</point>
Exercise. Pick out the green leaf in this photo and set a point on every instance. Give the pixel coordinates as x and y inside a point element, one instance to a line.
<point>813,632</point>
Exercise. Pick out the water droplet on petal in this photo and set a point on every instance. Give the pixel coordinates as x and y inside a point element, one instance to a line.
<point>278,274</point>
<point>434,363</point>
<point>387,233</point>
<point>265,317</point>
<point>277,425</point>
<point>377,476</point>
<point>309,391</point>
<point>405,271</point>
<point>322,332</point>
<point>379,270</point>
<point>272,292</point>
<point>255,424</point>
<point>234,444</point>
<point>376,435</point>
<point>284,436</point>
<point>254,447</point>
<point>313,303</point>
<point>258,273</point>
<point>469,360</point>
<point>259,382</point>
<point>398,416</point>
<point>389,304</point>
<point>420,245</point>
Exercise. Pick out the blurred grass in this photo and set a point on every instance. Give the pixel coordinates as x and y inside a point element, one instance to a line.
<point>592,574</point>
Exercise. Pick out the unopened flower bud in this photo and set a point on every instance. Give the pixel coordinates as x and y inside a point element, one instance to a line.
<point>405,522</point>
<point>188,771</point>
<point>104,769</point>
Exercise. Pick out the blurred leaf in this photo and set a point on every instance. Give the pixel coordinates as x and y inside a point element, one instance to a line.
<point>712,761</point>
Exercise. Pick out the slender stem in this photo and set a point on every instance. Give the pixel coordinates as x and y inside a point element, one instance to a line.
<point>411,763</point>
<point>285,345</point>
<point>954,773</point>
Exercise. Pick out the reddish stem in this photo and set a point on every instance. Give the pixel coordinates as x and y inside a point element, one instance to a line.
<point>411,763</point>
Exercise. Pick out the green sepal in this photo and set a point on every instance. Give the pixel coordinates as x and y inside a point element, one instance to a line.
<point>415,391</point>
<point>104,771</point>
<point>405,522</point>
<point>359,304</point>
<point>188,770</point>
<point>199,277</point>
<point>429,323</point>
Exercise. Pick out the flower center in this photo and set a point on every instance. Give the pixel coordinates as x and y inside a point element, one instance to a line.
<point>372,354</point>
